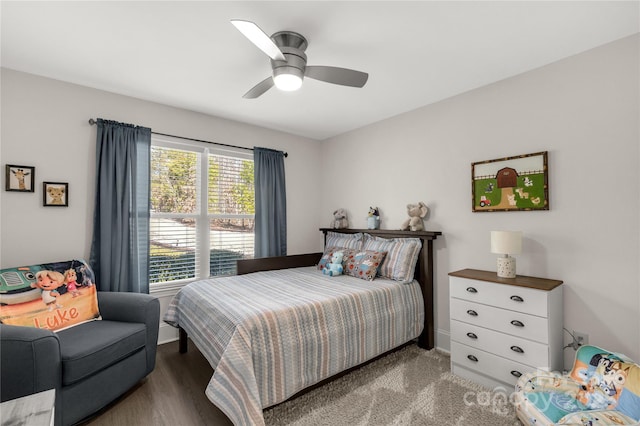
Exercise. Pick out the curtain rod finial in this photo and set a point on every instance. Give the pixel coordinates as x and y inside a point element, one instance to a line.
<point>92,121</point>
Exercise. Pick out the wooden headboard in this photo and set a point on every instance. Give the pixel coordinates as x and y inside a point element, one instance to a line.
<point>423,273</point>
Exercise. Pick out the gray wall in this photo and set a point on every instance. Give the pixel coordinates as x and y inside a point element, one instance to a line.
<point>584,111</point>
<point>45,124</point>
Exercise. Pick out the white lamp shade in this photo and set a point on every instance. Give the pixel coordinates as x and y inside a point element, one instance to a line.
<point>506,242</point>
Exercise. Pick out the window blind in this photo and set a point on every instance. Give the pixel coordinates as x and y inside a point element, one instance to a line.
<point>199,227</point>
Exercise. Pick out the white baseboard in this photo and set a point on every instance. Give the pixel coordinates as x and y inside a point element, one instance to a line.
<point>167,334</point>
<point>443,341</point>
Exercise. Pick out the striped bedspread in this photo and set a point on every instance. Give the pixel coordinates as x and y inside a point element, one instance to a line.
<point>271,334</point>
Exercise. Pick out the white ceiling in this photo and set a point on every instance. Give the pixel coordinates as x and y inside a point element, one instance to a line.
<point>188,55</point>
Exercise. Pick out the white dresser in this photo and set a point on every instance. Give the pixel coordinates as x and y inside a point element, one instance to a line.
<point>502,328</point>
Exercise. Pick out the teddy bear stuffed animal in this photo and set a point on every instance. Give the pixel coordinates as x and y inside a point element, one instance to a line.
<point>335,267</point>
<point>339,219</point>
<point>416,213</point>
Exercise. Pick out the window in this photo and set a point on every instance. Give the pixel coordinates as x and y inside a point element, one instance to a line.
<point>199,226</point>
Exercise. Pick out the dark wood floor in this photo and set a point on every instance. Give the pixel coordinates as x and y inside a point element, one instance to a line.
<point>173,394</point>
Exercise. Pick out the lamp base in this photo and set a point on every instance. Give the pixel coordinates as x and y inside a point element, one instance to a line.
<point>507,267</point>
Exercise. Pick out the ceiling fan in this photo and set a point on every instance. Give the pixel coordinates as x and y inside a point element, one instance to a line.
<point>289,62</point>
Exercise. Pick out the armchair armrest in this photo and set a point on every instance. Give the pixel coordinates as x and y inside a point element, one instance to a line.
<point>30,361</point>
<point>128,307</point>
<point>134,307</point>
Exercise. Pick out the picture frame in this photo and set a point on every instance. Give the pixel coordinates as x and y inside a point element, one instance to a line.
<point>20,178</point>
<point>519,183</point>
<point>55,194</point>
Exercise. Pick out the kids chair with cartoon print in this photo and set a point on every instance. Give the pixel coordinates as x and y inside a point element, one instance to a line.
<point>603,388</point>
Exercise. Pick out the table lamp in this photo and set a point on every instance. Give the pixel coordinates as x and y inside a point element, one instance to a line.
<point>506,243</point>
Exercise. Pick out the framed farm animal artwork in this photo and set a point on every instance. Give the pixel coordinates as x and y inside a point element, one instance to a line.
<point>519,183</point>
<point>20,178</point>
<point>55,194</point>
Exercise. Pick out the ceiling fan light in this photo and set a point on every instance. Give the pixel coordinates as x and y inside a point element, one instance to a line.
<point>287,82</point>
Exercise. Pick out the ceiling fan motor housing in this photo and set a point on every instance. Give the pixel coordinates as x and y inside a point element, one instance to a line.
<point>290,39</point>
<point>295,63</point>
<point>292,45</point>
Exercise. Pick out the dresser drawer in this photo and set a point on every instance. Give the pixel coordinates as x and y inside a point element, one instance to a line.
<point>521,299</point>
<point>501,369</point>
<point>515,348</point>
<point>515,323</point>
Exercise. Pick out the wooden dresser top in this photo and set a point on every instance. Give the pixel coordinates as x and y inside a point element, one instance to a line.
<point>519,280</point>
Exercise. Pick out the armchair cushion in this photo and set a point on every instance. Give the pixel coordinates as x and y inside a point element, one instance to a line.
<point>603,388</point>
<point>92,348</point>
<point>133,307</point>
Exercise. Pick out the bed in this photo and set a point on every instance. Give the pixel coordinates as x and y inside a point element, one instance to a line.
<point>281,325</point>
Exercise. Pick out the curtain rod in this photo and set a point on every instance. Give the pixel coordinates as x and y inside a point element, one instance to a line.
<point>93,122</point>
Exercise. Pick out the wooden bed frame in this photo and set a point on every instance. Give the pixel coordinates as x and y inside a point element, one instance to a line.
<point>423,273</point>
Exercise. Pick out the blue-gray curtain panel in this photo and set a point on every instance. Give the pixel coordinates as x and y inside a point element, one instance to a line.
<point>271,203</point>
<point>120,244</point>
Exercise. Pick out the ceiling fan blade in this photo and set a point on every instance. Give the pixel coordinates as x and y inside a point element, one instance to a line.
<point>259,38</point>
<point>335,75</point>
<point>259,88</point>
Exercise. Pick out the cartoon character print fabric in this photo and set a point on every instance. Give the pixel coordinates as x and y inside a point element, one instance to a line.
<point>53,296</point>
<point>603,388</point>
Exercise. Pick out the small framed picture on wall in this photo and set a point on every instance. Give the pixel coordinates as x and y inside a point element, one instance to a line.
<point>55,194</point>
<point>20,178</point>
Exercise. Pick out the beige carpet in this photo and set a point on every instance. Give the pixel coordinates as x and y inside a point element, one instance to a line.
<point>409,387</point>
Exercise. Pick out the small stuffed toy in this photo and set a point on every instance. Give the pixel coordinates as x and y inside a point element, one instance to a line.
<point>416,212</point>
<point>339,219</point>
<point>335,267</point>
<point>373,220</point>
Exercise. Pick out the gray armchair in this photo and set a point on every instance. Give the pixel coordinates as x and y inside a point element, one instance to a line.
<point>90,364</point>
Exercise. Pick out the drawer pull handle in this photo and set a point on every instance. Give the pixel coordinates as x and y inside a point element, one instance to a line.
<point>471,290</point>
<point>472,336</point>
<point>472,358</point>
<point>472,313</point>
<point>517,299</point>
<point>517,349</point>
<point>516,373</point>
<point>517,323</point>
